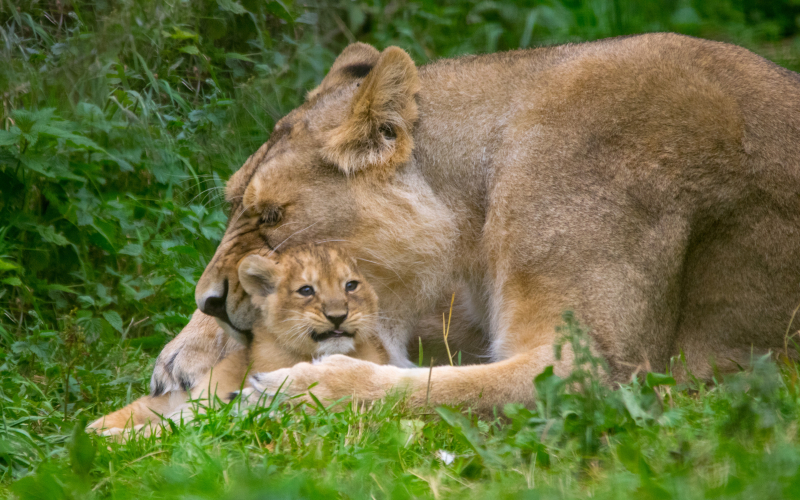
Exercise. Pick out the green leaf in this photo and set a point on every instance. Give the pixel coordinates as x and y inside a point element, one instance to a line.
<point>114,320</point>
<point>656,379</point>
<point>185,250</point>
<point>42,484</point>
<point>83,218</point>
<point>9,138</point>
<point>75,139</point>
<point>60,288</point>
<point>14,281</point>
<point>132,249</point>
<point>277,9</point>
<point>308,18</point>
<point>464,428</point>
<point>240,57</point>
<point>180,34</point>
<point>190,49</point>
<point>638,414</point>
<point>49,234</point>
<point>81,450</point>
<point>149,342</point>
<point>231,6</point>
<point>6,266</point>
<point>37,165</point>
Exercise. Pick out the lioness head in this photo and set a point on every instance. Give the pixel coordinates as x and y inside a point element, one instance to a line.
<point>315,301</point>
<point>339,167</point>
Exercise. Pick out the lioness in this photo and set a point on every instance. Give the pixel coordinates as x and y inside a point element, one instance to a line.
<point>313,302</point>
<point>649,183</point>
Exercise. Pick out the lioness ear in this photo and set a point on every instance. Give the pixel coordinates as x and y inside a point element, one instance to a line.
<point>258,275</point>
<point>355,61</point>
<point>376,131</point>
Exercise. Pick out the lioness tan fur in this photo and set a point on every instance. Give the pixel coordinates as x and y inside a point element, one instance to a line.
<point>649,183</point>
<point>313,302</point>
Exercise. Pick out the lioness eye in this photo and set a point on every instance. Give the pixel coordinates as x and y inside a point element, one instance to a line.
<point>272,216</point>
<point>306,291</point>
<point>388,132</point>
<point>351,286</point>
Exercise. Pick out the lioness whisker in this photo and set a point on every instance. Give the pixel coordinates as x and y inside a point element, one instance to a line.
<point>291,235</point>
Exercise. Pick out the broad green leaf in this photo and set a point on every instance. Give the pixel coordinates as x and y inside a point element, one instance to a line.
<point>240,57</point>
<point>186,250</point>
<point>190,49</point>
<point>87,300</point>
<point>124,165</point>
<point>114,320</point>
<point>180,34</point>
<point>278,9</point>
<point>308,18</point>
<point>231,6</point>
<point>13,281</point>
<point>132,249</point>
<point>93,327</point>
<point>60,133</point>
<point>83,218</point>
<point>6,266</point>
<point>60,288</point>
<point>49,234</point>
<point>639,415</point>
<point>656,379</point>
<point>9,138</point>
<point>81,450</point>
<point>37,165</point>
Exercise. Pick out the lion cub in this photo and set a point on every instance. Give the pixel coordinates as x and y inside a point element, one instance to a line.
<point>313,302</point>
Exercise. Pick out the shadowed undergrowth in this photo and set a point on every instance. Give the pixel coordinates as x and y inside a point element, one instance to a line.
<point>645,439</point>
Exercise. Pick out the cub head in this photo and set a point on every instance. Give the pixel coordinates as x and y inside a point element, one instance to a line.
<point>314,300</point>
<point>336,168</point>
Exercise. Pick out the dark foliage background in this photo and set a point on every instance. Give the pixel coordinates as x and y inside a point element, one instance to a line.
<point>121,121</point>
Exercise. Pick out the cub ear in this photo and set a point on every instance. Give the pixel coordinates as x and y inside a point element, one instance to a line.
<point>376,131</point>
<point>258,275</point>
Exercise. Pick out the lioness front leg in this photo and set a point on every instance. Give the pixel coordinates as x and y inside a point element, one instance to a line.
<point>190,355</point>
<point>481,387</point>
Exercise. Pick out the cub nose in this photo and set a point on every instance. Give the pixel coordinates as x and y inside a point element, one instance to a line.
<point>213,303</point>
<point>336,319</point>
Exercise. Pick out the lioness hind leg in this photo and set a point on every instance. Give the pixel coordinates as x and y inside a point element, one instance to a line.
<point>226,377</point>
<point>144,410</point>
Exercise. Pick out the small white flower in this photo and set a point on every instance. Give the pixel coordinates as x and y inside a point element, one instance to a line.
<point>445,456</point>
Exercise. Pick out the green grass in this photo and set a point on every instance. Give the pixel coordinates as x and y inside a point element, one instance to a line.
<point>120,123</point>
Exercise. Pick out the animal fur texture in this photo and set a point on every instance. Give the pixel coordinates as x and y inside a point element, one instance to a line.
<point>651,184</point>
<point>312,303</point>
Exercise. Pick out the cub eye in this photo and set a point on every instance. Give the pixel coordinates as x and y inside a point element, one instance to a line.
<point>306,291</point>
<point>272,216</point>
<point>351,286</point>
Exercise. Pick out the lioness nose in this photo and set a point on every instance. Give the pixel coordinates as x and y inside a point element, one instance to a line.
<point>213,303</point>
<point>337,320</point>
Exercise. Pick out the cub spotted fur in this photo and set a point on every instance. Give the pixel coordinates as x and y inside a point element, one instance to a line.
<point>650,183</point>
<point>314,303</point>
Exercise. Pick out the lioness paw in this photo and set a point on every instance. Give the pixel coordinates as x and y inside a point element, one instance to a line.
<point>329,379</point>
<point>190,355</point>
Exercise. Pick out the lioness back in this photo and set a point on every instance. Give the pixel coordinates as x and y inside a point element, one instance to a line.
<point>313,302</point>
